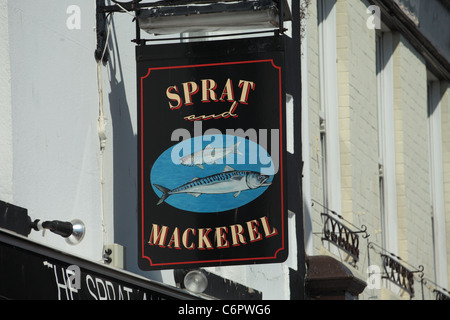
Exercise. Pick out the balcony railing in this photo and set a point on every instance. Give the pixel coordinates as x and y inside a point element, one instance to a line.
<point>398,274</point>
<point>342,236</point>
<point>401,273</point>
<point>441,295</point>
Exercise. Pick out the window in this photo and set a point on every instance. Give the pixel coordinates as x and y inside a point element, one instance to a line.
<point>386,163</point>
<point>436,180</point>
<point>329,129</point>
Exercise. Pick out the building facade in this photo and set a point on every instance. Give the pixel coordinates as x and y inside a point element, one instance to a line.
<point>368,149</point>
<point>375,122</point>
<point>70,141</point>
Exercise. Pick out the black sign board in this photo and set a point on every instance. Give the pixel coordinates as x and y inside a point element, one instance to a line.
<point>211,153</point>
<point>34,272</point>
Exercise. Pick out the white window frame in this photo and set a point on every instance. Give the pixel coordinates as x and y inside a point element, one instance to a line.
<point>331,169</point>
<point>437,180</point>
<point>385,92</point>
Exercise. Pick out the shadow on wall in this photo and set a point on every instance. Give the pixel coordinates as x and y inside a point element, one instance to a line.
<point>125,195</point>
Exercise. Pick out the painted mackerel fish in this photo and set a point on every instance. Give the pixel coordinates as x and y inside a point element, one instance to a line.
<point>229,181</point>
<point>208,155</point>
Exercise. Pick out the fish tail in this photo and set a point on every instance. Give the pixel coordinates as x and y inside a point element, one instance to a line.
<point>165,192</point>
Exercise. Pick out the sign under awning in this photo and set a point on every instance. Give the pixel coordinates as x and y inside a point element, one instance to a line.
<point>29,271</point>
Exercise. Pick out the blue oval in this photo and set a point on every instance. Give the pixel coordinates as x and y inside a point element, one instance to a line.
<point>168,172</point>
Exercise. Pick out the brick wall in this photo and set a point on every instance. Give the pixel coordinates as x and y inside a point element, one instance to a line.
<point>412,167</point>
<point>358,124</point>
<point>357,114</point>
<point>358,136</point>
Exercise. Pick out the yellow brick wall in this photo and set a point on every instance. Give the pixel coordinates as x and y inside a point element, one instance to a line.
<point>412,156</point>
<point>358,136</point>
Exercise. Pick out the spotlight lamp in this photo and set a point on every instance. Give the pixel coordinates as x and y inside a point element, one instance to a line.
<point>194,280</point>
<point>16,219</point>
<point>72,231</point>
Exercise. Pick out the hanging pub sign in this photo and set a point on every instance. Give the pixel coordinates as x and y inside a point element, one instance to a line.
<point>211,143</point>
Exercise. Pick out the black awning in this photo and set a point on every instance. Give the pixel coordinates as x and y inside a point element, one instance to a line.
<point>33,272</point>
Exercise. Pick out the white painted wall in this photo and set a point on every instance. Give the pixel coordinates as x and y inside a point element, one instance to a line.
<point>6,162</point>
<point>50,155</point>
<point>53,110</point>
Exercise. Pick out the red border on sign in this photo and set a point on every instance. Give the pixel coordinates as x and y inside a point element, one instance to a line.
<point>281,161</point>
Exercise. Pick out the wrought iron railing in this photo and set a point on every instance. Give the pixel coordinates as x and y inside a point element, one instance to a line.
<point>440,295</point>
<point>342,236</point>
<point>403,274</point>
<point>398,274</point>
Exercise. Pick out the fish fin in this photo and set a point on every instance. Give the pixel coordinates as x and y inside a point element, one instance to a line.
<point>200,166</point>
<point>193,179</point>
<point>236,194</point>
<point>237,178</point>
<point>236,150</point>
<point>165,192</point>
<point>195,194</point>
<point>228,168</point>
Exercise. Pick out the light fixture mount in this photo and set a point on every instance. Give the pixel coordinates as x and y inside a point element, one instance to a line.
<point>193,16</point>
<point>213,16</point>
<point>72,231</point>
